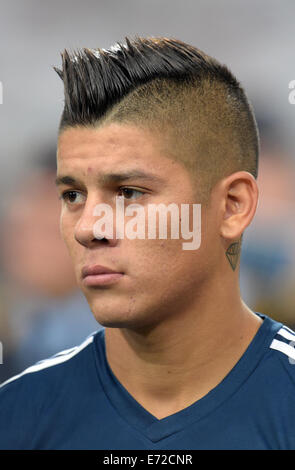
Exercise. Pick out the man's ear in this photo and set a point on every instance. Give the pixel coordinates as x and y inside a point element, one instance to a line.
<point>239,193</point>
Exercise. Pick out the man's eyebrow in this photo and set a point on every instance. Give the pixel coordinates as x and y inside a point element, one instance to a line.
<point>127,175</point>
<point>113,178</point>
<point>65,180</point>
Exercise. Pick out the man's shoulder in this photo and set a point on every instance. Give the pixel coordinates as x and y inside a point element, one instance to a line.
<point>49,371</point>
<point>29,400</point>
<point>282,351</point>
<point>270,358</point>
<point>274,376</point>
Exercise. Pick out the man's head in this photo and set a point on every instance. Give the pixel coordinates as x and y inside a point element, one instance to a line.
<point>165,108</point>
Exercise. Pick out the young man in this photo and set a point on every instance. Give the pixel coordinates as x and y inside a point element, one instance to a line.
<point>182,362</point>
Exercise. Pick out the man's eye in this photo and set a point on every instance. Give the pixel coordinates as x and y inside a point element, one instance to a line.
<point>130,193</point>
<point>72,197</point>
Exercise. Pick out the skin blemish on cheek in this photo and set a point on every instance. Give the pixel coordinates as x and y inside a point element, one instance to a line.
<point>89,169</point>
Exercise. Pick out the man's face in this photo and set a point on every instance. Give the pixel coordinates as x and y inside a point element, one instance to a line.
<point>159,278</point>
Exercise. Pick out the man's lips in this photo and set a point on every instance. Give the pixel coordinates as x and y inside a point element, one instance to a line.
<point>95,275</point>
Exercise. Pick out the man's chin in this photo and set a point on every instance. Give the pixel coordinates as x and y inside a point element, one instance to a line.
<point>134,322</point>
<point>112,323</point>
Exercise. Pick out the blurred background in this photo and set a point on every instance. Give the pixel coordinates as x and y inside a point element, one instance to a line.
<point>41,310</point>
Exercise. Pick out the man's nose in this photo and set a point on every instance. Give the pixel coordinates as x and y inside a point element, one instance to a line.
<point>88,231</point>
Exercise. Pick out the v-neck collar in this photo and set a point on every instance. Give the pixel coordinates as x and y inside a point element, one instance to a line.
<point>156,429</point>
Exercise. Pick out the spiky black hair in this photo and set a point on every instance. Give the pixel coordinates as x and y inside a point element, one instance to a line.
<point>95,80</point>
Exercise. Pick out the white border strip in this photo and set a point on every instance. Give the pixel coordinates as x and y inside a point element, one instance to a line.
<point>289,329</point>
<point>286,334</point>
<point>283,347</point>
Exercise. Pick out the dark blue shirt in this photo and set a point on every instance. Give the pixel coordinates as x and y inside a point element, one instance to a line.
<point>73,401</point>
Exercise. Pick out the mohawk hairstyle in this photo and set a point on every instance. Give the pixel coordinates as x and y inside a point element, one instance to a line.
<point>172,84</point>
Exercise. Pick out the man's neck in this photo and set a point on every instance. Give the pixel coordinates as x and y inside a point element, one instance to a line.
<point>174,364</point>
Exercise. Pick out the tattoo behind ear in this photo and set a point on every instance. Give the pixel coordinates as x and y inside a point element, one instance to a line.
<point>232,253</point>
